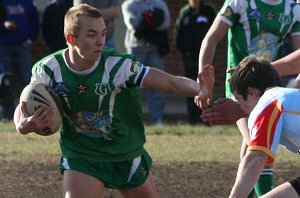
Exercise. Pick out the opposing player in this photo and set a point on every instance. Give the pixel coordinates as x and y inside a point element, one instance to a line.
<point>274,115</point>
<point>254,27</point>
<point>102,135</point>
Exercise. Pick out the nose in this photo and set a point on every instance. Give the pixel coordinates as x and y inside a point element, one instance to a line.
<point>100,40</point>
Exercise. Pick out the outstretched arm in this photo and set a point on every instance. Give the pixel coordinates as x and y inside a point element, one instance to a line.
<point>248,173</point>
<point>160,80</point>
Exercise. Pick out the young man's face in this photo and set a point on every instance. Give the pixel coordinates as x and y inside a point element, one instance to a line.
<point>252,98</point>
<point>91,38</point>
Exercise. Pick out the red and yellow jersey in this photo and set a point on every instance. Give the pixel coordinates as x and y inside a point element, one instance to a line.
<point>276,120</point>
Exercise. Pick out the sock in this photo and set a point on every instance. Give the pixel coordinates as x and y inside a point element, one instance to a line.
<point>265,182</point>
<point>251,195</point>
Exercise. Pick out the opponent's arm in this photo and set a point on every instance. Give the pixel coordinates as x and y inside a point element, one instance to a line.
<point>223,111</point>
<point>248,173</point>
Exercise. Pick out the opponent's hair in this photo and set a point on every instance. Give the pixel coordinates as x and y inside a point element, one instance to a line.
<point>254,72</point>
<point>71,20</point>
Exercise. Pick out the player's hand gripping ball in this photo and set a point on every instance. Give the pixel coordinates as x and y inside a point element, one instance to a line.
<point>37,94</point>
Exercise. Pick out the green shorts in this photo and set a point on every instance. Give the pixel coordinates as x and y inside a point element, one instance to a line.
<point>115,175</point>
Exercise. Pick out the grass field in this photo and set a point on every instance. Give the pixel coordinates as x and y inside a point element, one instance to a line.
<point>165,143</point>
<point>189,161</point>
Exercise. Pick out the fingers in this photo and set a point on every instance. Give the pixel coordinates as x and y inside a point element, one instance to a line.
<point>202,102</point>
<point>213,118</point>
<point>42,118</point>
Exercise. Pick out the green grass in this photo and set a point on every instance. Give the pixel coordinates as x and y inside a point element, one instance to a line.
<point>168,143</point>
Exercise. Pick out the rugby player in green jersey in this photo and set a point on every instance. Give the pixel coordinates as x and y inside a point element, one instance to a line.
<point>102,136</point>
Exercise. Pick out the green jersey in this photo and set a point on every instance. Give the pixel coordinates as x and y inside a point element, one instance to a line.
<point>103,118</point>
<point>258,27</point>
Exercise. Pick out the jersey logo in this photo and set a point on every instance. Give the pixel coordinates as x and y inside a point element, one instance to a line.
<point>285,19</point>
<point>103,89</point>
<point>135,66</point>
<point>255,15</point>
<point>227,12</point>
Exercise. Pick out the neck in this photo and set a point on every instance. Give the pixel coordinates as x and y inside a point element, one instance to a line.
<point>76,62</point>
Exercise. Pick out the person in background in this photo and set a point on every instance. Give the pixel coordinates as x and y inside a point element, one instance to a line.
<point>17,34</point>
<point>253,27</point>
<point>102,135</point>
<point>53,24</point>
<point>147,23</point>
<point>191,26</point>
<point>110,10</point>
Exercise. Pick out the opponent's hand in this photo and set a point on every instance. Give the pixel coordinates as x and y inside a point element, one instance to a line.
<point>206,80</point>
<point>223,111</point>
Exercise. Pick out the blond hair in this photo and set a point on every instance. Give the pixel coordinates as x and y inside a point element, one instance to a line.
<point>72,22</point>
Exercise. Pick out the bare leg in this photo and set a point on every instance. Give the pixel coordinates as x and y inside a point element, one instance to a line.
<point>284,190</point>
<point>78,185</point>
<point>146,190</point>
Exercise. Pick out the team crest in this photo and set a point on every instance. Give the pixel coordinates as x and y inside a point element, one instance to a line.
<point>61,89</point>
<point>255,15</point>
<point>135,66</point>
<point>285,19</point>
<point>103,89</point>
<point>227,12</point>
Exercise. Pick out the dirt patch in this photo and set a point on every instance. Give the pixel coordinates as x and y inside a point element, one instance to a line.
<point>175,180</point>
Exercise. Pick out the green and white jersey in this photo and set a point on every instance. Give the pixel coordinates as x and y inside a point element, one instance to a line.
<point>258,27</point>
<point>103,118</point>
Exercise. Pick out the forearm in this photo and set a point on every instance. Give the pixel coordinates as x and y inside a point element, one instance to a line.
<point>288,65</point>
<point>184,86</point>
<point>209,44</point>
<point>20,121</point>
<point>248,173</point>
<point>206,53</point>
<point>161,80</point>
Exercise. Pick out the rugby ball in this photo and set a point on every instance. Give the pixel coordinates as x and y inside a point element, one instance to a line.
<point>36,94</point>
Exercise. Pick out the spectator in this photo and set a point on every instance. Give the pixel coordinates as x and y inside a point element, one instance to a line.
<point>18,32</point>
<point>147,23</point>
<point>253,27</point>
<point>110,10</point>
<point>53,24</point>
<point>191,26</point>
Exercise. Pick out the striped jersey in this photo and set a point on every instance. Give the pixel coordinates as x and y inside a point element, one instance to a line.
<point>276,120</point>
<point>258,27</point>
<point>103,118</point>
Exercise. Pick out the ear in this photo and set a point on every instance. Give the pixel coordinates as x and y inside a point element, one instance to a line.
<point>253,92</point>
<point>70,39</point>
